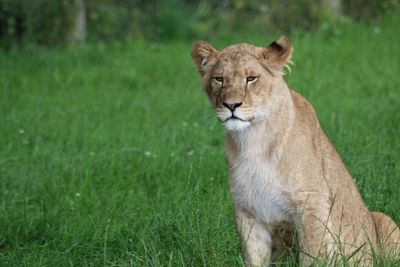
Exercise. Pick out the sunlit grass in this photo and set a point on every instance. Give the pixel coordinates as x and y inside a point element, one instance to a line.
<point>111,155</point>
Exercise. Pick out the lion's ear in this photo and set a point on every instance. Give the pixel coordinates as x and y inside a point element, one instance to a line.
<point>277,54</point>
<point>204,56</point>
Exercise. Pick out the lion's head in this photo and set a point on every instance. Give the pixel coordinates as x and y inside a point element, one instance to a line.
<point>239,79</point>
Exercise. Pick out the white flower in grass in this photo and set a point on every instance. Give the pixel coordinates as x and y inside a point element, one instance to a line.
<point>77,194</point>
<point>21,131</point>
<point>189,152</point>
<point>184,124</point>
<point>147,153</point>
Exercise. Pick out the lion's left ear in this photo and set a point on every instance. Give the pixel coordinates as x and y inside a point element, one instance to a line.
<point>277,54</point>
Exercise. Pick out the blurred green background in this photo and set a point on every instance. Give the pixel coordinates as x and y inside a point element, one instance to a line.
<point>110,154</point>
<point>50,22</point>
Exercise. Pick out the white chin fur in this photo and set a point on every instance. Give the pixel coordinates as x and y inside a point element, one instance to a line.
<point>236,125</point>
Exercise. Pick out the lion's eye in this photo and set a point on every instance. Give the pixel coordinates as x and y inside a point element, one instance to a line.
<point>219,79</point>
<point>251,79</point>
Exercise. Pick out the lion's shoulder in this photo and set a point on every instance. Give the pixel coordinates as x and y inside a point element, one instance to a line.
<point>304,109</point>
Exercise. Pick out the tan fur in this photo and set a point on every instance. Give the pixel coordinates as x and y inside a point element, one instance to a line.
<point>285,176</point>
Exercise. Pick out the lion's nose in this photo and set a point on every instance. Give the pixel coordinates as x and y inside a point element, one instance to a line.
<point>232,106</point>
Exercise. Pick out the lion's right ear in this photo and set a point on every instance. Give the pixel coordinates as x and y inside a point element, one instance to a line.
<point>204,56</point>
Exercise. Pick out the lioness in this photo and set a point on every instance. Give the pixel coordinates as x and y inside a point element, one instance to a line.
<point>286,179</point>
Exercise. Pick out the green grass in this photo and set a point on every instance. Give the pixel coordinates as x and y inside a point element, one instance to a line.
<point>111,155</point>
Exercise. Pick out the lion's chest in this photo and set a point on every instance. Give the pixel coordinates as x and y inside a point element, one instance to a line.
<point>257,187</point>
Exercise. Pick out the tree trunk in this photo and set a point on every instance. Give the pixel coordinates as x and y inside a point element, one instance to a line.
<point>333,7</point>
<point>78,30</point>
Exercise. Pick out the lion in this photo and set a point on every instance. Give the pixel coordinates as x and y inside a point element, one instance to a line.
<point>288,184</point>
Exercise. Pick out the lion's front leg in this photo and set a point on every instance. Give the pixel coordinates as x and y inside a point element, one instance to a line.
<point>255,238</point>
<point>316,235</point>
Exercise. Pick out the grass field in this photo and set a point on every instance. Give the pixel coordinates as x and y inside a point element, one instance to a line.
<point>110,154</point>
